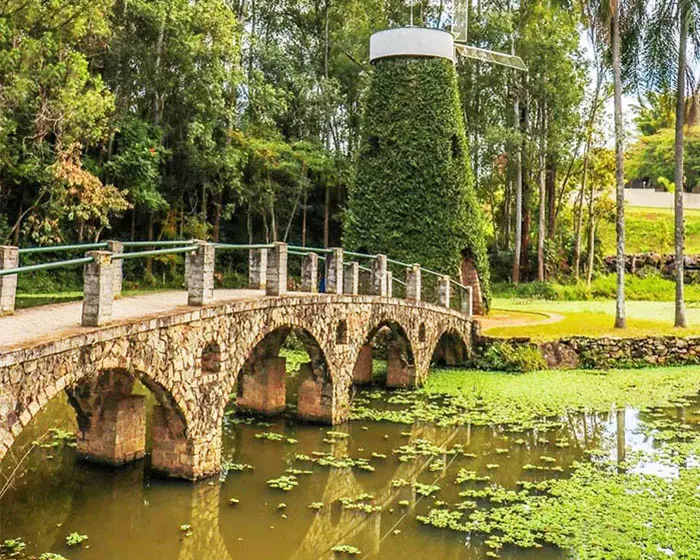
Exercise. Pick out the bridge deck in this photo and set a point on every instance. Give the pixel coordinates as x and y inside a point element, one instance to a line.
<point>43,324</point>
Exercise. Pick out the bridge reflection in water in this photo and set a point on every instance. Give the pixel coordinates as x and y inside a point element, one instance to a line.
<point>129,516</point>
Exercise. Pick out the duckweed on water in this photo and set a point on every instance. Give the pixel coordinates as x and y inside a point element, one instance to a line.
<point>285,482</point>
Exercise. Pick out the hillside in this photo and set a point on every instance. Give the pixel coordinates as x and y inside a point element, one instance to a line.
<point>651,230</point>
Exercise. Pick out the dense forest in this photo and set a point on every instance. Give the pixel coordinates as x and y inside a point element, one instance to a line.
<point>240,121</point>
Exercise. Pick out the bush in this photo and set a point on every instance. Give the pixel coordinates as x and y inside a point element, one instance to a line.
<point>515,358</point>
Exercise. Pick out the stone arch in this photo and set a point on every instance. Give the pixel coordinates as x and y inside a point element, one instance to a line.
<point>394,342</point>
<point>263,378</point>
<point>450,349</point>
<point>112,422</point>
<point>146,357</point>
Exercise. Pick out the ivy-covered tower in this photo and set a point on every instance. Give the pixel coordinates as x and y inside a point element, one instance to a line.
<point>413,197</point>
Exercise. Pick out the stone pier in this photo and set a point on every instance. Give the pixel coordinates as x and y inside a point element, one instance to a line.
<point>200,280</point>
<point>351,280</point>
<point>315,396</point>
<point>362,373</point>
<point>309,273</point>
<point>263,387</point>
<point>257,269</point>
<point>111,420</point>
<point>334,272</point>
<point>9,258</point>
<point>116,248</point>
<point>444,291</point>
<point>379,270</point>
<point>399,373</point>
<point>277,270</point>
<point>413,283</point>
<point>98,289</point>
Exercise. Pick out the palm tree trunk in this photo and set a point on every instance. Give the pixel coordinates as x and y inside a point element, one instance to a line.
<point>620,315</point>
<point>680,117</point>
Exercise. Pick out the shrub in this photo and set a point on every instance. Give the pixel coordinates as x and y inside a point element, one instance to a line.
<point>515,358</point>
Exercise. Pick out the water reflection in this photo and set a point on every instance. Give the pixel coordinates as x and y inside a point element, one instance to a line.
<point>129,515</point>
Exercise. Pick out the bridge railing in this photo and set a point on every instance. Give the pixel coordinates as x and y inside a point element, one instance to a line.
<point>267,270</point>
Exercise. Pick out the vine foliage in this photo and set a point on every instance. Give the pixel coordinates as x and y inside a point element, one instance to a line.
<point>413,197</point>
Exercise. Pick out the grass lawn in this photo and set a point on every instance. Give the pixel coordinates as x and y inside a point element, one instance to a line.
<point>651,230</point>
<point>586,318</point>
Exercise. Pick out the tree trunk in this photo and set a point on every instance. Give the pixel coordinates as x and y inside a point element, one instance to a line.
<point>326,218</point>
<point>159,54</point>
<point>680,118</point>
<point>591,237</point>
<point>303,219</point>
<point>218,208</point>
<point>149,260</point>
<point>541,218</point>
<point>620,314</point>
<point>518,196</point>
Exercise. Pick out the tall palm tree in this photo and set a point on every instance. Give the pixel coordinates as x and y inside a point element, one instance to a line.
<point>683,16</point>
<point>620,314</point>
<point>605,15</point>
<point>669,33</point>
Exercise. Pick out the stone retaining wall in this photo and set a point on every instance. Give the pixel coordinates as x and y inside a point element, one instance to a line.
<point>664,264</point>
<point>608,352</point>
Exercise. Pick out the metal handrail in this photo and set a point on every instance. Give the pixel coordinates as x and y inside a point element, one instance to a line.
<point>309,249</point>
<point>57,248</point>
<point>242,247</point>
<point>153,253</point>
<point>45,266</point>
<point>166,243</point>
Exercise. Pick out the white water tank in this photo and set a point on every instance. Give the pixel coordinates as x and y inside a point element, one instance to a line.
<point>412,41</point>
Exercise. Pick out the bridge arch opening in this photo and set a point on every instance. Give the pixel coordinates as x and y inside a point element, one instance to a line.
<point>386,357</point>
<point>118,416</point>
<point>276,375</point>
<point>451,350</point>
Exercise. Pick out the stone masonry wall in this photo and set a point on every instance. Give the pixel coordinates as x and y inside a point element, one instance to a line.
<point>166,353</point>
<point>608,352</point>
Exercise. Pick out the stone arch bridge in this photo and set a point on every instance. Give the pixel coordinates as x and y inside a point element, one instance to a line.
<point>194,359</point>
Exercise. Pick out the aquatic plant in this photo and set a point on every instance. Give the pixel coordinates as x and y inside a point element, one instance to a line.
<point>74,539</point>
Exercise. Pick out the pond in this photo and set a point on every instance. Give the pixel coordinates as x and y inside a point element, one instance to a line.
<point>379,487</point>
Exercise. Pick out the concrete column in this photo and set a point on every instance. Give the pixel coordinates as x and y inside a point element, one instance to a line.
<point>443,291</point>
<point>9,258</point>
<point>200,281</point>
<point>389,283</point>
<point>116,248</point>
<point>277,270</point>
<point>263,387</point>
<point>351,279</point>
<point>257,269</point>
<point>413,283</point>
<point>334,272</point>
<point>362,374</point>
<point>309,273</point>
<point>98,294</point>
<point>399,373</point>
<point>379,269</point>
<point>315,397</point>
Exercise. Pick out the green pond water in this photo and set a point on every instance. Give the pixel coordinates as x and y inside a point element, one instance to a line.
<point>397,474</point>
